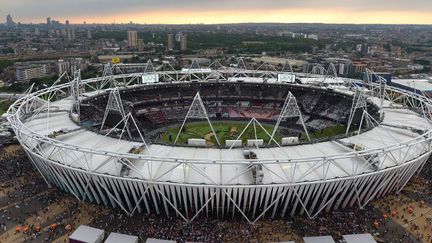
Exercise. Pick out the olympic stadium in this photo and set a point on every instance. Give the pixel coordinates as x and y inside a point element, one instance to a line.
<point>127,141</point>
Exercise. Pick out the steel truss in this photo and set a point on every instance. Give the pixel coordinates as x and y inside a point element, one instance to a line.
<point>290,109</point>
<point>114,104</point>
<point>222,198</point>
<point>197,111</point>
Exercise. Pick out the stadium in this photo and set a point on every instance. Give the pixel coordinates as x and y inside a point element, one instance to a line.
<point>225,141</point>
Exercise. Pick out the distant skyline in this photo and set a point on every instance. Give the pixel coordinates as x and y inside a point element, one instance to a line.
<point>221,11</point>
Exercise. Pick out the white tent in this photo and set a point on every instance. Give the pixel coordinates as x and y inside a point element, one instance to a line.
<point>116,238</point>
<point>87,234</point>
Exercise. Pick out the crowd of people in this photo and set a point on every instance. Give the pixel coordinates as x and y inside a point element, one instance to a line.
<point>32,211</point>
<point>167,104</point>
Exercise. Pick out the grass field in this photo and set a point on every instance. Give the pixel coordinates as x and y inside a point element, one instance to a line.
<point>224,131</point>
<point>231,130</point>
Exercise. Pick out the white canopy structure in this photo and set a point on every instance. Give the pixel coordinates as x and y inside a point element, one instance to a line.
<point>189,181</point>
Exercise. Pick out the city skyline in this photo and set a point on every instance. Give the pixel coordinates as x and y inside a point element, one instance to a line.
<point>210,12</point>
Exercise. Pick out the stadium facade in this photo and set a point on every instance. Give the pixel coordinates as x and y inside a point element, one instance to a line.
<point>140,176</point>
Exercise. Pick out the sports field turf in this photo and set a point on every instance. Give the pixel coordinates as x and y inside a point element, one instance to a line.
<point>231,130</point>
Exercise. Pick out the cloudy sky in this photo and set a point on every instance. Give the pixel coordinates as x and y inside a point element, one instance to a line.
<point>221,11</point>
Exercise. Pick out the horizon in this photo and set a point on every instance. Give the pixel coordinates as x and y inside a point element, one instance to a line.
<point>84,22</point>
<point>397,12</point>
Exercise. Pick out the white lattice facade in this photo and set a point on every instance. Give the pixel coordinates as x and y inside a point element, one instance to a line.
<point>217,182</point>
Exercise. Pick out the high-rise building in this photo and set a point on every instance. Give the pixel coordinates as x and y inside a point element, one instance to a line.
<point>140,45</point>
<point>132,38</point>
<point>89,34</point>
<point>183,42</point>
<point>49,21</point>
<point>67,23</point>
<point>9,21</point>
<point>170,44</point>
<point>70,34</point>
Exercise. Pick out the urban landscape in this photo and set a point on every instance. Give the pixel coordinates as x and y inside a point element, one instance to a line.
<point>230,131</point>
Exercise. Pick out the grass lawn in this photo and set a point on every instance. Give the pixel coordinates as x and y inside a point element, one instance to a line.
<point>224,131</point>
<point>231,130</point>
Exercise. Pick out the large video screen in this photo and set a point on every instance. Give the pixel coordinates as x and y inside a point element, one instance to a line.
<point>286,77</point>
<point>150,78</point>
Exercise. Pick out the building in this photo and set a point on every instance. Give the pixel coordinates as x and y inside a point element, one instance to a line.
<point>9,21</point>
<point>70,34</point>
<point>28,72</point>
<point>71,65</point>
<point>170,44</point>
<point>183,42</point>
<point>49,21</point>
<point>132,38</point>
<point>67,23</point>
<point>89,34</point>
<point>313,37</point>
<point>140,45</point>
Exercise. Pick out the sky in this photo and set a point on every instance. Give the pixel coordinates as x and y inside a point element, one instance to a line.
<point>220,11</point>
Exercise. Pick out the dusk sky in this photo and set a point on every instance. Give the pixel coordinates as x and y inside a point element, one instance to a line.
<point>221,11</point>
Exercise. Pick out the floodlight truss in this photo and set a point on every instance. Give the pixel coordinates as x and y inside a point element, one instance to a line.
<point>287,68</point>
<point>197,111</point>
<point>359,102</point>
<point>290,109</point>
<point>224,198</point>
<point>114,104</point>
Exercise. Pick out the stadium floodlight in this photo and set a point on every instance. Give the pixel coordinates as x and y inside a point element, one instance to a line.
<point>287,68</point>
<point>290,109</point>
<point>197,111</point>
<point>149,75</point>
<point>359,102</point>
<point>216,69</point>
<point>378,91</point>
<point>331,71</point>
<point>107,75</point>
<point>76,86</point>
<point>216,65</point>
<point>194,65</point>
<point>267,71</point>
<point>241,66</point>
<point>319,73</point>
<point>240,69</point>
<point>149,68</point>
<point>114,104</point>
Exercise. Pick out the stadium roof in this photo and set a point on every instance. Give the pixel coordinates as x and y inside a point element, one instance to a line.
<point>396,121</point>
<point>418,84</point>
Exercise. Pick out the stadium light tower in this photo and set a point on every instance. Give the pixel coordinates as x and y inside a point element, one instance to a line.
<point>75,88</point>
<point>197,111</point>
<point>359,102</point>
<point>114,104</point>
<point>287,68</point>
<point>290,109</point>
